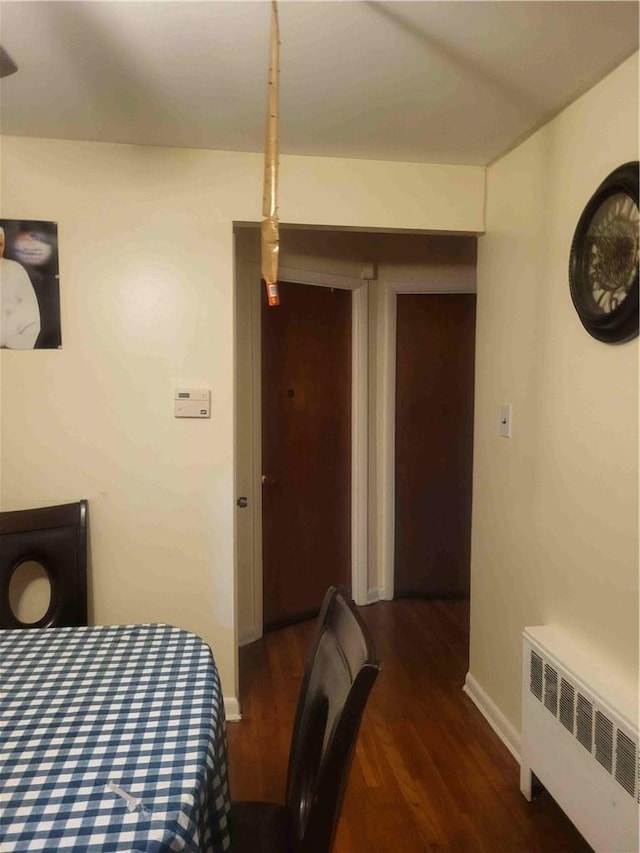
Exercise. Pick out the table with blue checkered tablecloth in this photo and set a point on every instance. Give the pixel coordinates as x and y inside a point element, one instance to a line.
<point>111,739</point>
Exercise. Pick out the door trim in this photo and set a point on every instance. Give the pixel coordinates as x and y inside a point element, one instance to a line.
<point>359,429</point>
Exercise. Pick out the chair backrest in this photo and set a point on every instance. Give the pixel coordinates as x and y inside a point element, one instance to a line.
<point>56,538</point>
<point>338,677</point>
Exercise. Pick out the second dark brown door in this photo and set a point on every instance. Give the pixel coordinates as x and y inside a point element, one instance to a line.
<point>306,449</point>
<point>434,443</point>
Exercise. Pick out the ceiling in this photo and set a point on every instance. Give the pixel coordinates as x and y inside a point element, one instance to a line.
<point>442,82</point>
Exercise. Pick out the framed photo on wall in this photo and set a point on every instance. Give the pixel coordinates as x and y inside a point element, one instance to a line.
<point>29,285</point>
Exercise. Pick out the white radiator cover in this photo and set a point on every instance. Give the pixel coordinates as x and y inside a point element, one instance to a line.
<point>580,739</point>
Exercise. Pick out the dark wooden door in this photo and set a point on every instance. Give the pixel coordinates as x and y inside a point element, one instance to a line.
<point>306,449</point>
<point>434,444</point>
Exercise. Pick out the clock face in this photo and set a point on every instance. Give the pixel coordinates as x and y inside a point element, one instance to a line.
<point>603,265</point>
<point>612,251</point>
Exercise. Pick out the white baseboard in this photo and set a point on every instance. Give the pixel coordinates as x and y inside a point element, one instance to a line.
<point>507,733</point>
<point>248,635</point>
<point>232,709</point>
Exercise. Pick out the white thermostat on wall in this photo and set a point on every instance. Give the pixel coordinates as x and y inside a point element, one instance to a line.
<point>192,403</point>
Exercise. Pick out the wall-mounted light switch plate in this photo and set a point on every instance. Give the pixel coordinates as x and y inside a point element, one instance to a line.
<point>505,420</point>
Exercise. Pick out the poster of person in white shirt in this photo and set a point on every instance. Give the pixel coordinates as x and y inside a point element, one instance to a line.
<point>29,285</point>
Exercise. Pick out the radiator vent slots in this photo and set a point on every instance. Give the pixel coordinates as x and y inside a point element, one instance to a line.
<point>611,747</point>
<point>626,758</point>
<point>584,722</point>
<point>551,689</point>
<point>604,741</point>
<point>567,705</point>
<point>536,675</point>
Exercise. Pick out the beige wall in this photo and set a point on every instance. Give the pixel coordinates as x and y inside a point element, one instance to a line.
<point>146,275</point>
<point>555,519</point>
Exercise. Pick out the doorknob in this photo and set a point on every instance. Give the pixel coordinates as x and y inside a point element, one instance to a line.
<point>268,481</point>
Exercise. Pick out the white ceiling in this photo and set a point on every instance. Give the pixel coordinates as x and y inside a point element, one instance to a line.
<point>451,81</point>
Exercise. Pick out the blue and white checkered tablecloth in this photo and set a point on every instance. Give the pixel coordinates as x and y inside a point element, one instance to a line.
<point>111,739</point>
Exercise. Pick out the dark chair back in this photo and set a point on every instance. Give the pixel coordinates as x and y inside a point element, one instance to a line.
<point>56,538</point>
<point>339,674</point>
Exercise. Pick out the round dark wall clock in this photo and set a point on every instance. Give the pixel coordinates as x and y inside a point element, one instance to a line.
<point>603,265</point>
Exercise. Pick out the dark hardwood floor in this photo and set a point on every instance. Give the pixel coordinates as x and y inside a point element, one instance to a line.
<point>429,773</point>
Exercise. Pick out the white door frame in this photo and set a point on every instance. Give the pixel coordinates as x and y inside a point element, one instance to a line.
<point>359,428</point>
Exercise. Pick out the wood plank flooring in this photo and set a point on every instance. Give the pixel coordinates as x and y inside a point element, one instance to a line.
<point>429,773</point>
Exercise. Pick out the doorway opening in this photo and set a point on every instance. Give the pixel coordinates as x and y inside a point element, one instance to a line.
<point>375,267</point>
